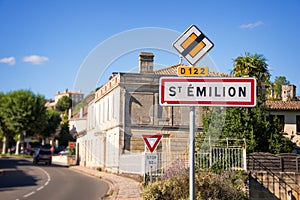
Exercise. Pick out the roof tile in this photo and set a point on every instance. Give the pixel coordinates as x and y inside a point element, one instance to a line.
<point>283,105</point>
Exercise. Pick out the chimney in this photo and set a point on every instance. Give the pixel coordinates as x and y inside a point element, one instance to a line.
<point>146,62</point>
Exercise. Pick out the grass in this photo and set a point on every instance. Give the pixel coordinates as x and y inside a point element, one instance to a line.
<point>15,155</point>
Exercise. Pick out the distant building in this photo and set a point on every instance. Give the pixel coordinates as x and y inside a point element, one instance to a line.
<point>288,92</point>
<point>76,96</point>
<point>78,120</point>
<point>287,111</point>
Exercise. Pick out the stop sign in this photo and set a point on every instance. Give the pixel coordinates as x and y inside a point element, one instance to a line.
<point>71,145</point>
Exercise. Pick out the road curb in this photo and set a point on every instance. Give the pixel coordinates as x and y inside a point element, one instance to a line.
<point>113,187</point>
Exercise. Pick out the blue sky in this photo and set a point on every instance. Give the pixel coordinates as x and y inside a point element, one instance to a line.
<point>44,44</point>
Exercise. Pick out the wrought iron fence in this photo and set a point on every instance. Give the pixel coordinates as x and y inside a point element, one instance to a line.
<point>217,155</point>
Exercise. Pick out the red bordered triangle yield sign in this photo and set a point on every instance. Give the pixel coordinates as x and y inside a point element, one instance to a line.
<point>152,141</point>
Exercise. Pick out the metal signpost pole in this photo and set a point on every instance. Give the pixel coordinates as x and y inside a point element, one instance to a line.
<point>193,45</point>
<point>151,174</point>
<point>151,160</point>
<point>191,153</point>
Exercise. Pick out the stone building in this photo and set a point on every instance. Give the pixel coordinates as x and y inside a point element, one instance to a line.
<point>76,96</point>
<point>124,109</point>
<point>288,92</point>
<point>287,110</point>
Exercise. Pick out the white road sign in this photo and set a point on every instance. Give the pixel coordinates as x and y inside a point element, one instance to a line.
<point>151,160</point>
<point>208,91</point>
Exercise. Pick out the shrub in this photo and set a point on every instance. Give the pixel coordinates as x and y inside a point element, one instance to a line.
<point>99,169</point>
<point>224,186</point>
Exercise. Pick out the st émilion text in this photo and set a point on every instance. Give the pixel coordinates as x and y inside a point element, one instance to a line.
<point>208,91</point>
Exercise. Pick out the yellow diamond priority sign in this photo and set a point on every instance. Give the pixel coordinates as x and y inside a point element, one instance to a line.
<point>193,45</point>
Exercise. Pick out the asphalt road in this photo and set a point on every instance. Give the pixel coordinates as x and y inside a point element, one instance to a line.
<point>20,179</point>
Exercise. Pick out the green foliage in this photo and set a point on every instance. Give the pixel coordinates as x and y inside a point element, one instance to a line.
<point>274,99</point>
<point>278,82</point>
<point>251,66</point>
<point>78,107</point>
<point>228,185</point>
<point>54,119</point>
<point>71,151</point>
<point>22,110</point>
<point>261,132</point>
<point>2,126</point>
<point>64,135</point>
<point>278,143</point>
<point>64,103</point>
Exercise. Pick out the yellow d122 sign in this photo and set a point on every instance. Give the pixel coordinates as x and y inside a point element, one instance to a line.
<point>192,71</point>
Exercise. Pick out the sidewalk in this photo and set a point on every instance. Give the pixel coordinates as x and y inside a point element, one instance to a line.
<point>120,188</point>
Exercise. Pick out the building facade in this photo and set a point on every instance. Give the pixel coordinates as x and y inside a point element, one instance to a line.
<point>124,109</point>
<point>287,110</point>
<point>288,114</point>
<point>75,96</point>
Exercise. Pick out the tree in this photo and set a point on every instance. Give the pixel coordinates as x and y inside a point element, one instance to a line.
<point>278,82</point>
<point>3,129</point>
<point>261,132</point>
<point>253,66</point>
<point>23,113</point>
<point>64,135</point>
<point>64,103</point>
<point>54,119</point>
<point>238,123</point>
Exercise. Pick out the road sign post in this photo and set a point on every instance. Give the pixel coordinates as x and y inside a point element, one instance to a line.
<point>192,45</point>
<point>191,153</point>
<point>204,91</point>
<point>151,142</point>
<point>183,91</point>
<point>151,161</point>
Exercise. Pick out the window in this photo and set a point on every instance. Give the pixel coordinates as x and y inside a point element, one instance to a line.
<point>102,110</point>
<point>107,108</point>
<point>112,106</point>
<point>298,123</point>
<point>281,121</point>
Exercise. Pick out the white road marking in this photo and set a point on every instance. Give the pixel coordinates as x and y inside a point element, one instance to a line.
<point>48,176</point>
<point>29,194</point>
<point>42,187</point>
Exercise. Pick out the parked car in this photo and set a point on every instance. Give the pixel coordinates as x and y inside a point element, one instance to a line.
<point>42,155</point>
<point>34,146</point>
